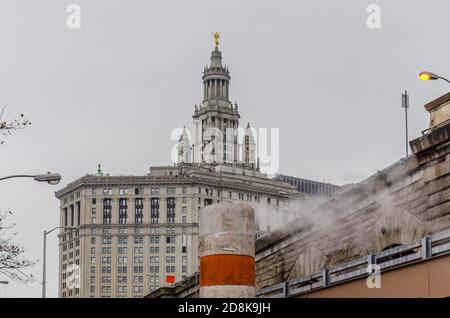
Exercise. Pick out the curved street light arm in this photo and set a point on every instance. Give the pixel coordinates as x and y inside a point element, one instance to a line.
<point>443,78</point>
<point>18,176</point>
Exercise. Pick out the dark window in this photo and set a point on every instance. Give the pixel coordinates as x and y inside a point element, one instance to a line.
<point>139,208</point>
<point>170,210</point>
<point>107,209</point>
<point>154,210</point>
<point>78,213</point>
<point>123,206</point>
<point>72,218</point>
<point>65,216</point>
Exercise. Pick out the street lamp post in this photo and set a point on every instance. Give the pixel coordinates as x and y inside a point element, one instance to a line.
<point>44,258</point>
<point>428,76</point>
<point>50,178</point>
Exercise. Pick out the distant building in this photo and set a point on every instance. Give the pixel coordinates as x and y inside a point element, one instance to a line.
<point>135,234</point>
<point>311,187</point>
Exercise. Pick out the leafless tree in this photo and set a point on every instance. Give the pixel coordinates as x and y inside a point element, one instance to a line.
<point>12,261</point>
<point>8,126</point>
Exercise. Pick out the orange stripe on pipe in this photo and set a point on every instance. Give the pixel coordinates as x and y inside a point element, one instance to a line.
<point>227,269</point>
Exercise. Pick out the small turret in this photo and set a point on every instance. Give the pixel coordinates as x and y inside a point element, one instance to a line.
<point>184,148</point>
<point>249,148</point>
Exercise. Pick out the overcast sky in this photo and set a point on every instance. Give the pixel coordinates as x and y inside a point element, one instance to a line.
<point>112,91</point>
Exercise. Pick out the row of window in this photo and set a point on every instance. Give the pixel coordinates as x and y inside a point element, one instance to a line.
<point>137,240</point>
<point>137,191</point>
<point>136,250</point>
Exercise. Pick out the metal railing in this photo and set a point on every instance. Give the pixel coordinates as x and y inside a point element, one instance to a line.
<point>426,248</point>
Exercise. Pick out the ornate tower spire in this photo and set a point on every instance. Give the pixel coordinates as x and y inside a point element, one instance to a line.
<point>216,110</point>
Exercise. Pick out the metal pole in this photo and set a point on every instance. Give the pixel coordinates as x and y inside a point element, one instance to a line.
<point>43,265</point>
<point>405,105</point>
<point>406,126</point>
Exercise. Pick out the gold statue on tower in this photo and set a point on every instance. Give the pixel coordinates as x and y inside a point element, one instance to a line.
<point>216,36</point>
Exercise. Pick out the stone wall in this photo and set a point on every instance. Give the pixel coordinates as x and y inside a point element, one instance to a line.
<point>400,204</point>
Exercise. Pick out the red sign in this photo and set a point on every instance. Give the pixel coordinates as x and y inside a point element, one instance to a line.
<point>170,279</point>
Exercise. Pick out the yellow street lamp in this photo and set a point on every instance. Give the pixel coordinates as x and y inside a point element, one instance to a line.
<point>427,76</point>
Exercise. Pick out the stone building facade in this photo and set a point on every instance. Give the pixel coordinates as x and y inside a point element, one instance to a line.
<point>133,234</point>
<point>397,219</point>
<point>400,205</point>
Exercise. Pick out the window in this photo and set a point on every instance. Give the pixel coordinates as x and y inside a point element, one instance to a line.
<point>170,239</point>
<point>106,240</point>
<point>107,230</point>
<point>94,201</point>
<point>123,191</point>
<point>123,206</point>
<point>184,190</point>
<point>154,190</point>
<point>122,250</point>
<point>154,259</point>
<point>94,211</point>
<point>94,191</point>
<point>122,240</point>
<point>154,210</point>
<point>154,239</point>
<point>106,250</point>
<point>138,191</point>
<point>170,210</point>
<point>94,220</point>
<point>184,210</point>
<point>138,240</point>
<point>123,230</point>
<point>107,209</point>
<point>183,219</point>
<point>139,210</point>
<point>107,191</point>
<point>93,260</point>
<point>170,230</point>
<point>138,259</point>
<point>122,269</point>
<point>170,190</point>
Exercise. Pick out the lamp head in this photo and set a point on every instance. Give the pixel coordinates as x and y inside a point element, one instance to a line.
<point>427,76</point>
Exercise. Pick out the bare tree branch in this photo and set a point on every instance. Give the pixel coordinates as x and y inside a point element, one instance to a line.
<point>7,127</point>
<point>12,261</point>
